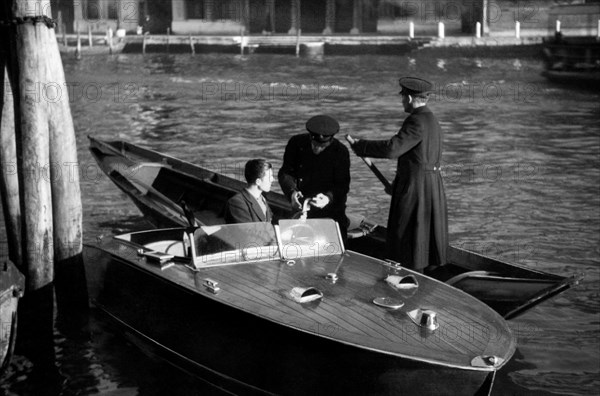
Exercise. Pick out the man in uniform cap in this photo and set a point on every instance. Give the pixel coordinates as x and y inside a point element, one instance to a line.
<point>316,166</point>
<point>417,230</point>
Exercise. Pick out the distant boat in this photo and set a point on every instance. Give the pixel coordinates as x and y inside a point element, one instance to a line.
<point>158,183</point>
<point>12,285</point>
<point>573,61</point>
<point>260,309</point>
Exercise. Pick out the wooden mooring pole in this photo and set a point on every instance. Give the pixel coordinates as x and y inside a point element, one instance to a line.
<point>45,161</point>
<point>298,33</point>
<point>144,43</point>
<point>78,47</point>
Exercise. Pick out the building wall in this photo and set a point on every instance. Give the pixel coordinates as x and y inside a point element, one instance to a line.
<point>100,15</point>
<point>389,17</point>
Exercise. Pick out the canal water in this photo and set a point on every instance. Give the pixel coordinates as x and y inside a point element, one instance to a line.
<point>521,170</point>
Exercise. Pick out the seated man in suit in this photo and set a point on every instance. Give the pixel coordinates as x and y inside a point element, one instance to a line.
<point>250,205</point>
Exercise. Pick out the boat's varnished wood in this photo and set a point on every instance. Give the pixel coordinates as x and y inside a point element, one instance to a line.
<point>208,337</point>
<point>12,285</point>
<point>467,327</point>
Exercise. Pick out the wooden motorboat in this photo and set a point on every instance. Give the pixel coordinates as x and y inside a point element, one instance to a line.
<point>260,309</point>
<point>574,61</point>
<point>158,184</point>
<point>12,285</point>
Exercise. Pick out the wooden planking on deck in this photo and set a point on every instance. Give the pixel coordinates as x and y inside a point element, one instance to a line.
<point>267,283</point>
<point>262,289</point>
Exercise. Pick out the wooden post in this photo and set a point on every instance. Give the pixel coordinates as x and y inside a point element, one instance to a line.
<point>33,42</point>
<point>168,38</point>
<point>485,26</point>
<point>242,38</point>
<point>64,35</point>
<point>9,183</point>
<point>90,43</point>
<point>69,276</point>
<point>109,39</point>
<point>47,172</point>
<point>78,47</point>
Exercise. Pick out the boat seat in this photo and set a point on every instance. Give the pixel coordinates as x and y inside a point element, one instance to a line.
<point>209,217</point>
<point>173,247</point>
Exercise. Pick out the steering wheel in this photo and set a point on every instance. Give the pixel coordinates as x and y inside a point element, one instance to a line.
<point>302,233</point>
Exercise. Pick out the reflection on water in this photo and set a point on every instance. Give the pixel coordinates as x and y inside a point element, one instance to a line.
<point>520,167</point>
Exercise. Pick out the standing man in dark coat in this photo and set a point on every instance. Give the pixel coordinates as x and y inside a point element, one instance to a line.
<point>249,205</point>
<point>316,166</point>
<point>417,231</point>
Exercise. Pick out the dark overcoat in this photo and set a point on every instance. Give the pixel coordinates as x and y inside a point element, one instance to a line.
<point>327,173</point>
<point>417,233</point>
<point>243,208</point>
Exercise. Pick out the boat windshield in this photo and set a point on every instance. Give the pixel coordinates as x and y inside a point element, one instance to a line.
<point>250,242</point>
<point>318,238</point>
<point>234,243</point>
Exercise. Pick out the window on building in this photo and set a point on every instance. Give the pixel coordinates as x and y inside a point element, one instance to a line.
<point>93,12</point>
<point>113,11</point>
<point>194,9</point>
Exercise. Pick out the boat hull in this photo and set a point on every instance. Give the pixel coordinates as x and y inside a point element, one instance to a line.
<point>246,354</point>
<point>12,285</point>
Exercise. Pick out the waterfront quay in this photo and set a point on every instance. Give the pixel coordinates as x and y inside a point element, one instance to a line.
<point>298,44</point>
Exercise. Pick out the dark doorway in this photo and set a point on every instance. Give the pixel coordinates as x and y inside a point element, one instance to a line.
<point>343,15</point>
<point>283,19</point>
<point>63,10</point>
<point>312,16</point>
<point>158,17</point>
<point>260,19</point>
<point>370,15</point>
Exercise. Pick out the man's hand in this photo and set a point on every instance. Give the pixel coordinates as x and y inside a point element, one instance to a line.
<point>320,201</point>
<point>295,198</point>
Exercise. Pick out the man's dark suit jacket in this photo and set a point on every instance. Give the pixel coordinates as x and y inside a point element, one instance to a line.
<point>243,208</point>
